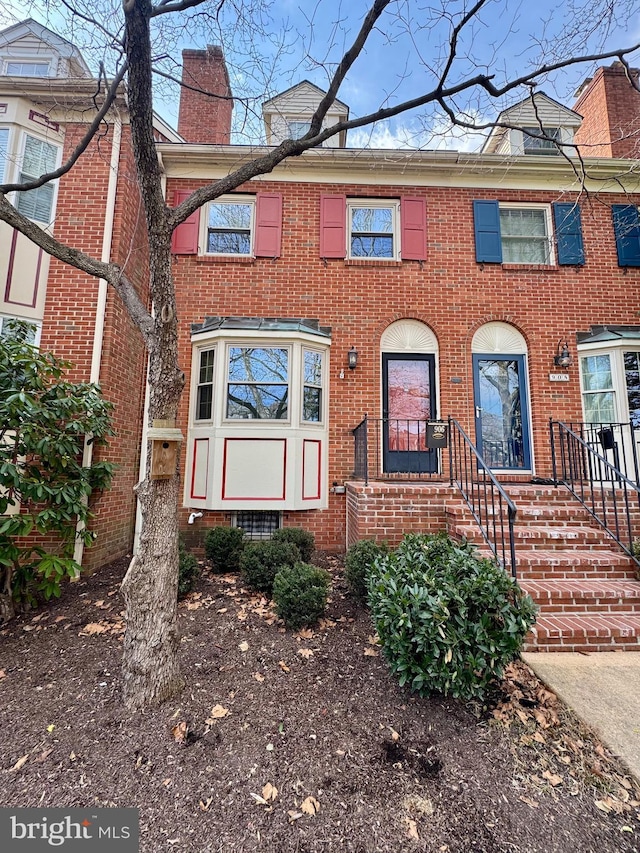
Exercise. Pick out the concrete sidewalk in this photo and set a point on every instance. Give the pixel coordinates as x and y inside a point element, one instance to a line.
<point>604,690</point>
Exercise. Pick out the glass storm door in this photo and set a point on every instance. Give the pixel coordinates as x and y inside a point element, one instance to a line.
<point>408,383</point>
<point>502,429</point>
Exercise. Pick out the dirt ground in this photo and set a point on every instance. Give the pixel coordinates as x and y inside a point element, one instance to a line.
<point>294,742</point>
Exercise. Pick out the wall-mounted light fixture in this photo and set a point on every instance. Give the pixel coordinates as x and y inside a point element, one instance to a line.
<point>563,357</point>
<point>352,358</point>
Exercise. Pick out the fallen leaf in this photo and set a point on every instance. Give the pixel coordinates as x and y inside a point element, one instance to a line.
<point>93,628</point>
<point>294,816</point>
<point>60,618</point>
<point>394,734</point>
<point>50,728</point>
<point>258,676</point>
<point>259,799</point>
<point>552,778</point>
<point>3,674</point>
<point>269,792</point>
<point>412,829</point>
<point>310,806</point>
<point>304,634</point>
<point>193,605</point>
<point>20,762</point>
<point>603,805</point>
<point>373,640</point>
<point>221,611</point>
<point>532,803</point>
<point>204,804</point>
<point>371,653</point>
<point>539,737</point>
<point>217,713</point>
<point>305,653</point>
<point>180,732</point>
<point>283,666</point>
<point>99,603</point>
<point>45,754</point>
<point>244,646</point>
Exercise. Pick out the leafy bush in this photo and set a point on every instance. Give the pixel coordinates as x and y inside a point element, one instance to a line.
<point>448,621</point>
<point>188,570</point>
<point>300,594</point>
<point>304,539</point>
<point>223,546</point>
<point>261,561</point>
<point>358,563</point>
<point>44,485</point>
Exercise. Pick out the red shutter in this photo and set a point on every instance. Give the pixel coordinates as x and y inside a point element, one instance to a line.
<point>184,240</point>
<point>268,241</point>
<point>333,226</point>
<point>413,218</point>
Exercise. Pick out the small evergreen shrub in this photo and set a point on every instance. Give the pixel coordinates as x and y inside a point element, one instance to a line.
<point>448,621</point>
<point>304,539</point>
<point>261,561</point>
<point>223,547</point>
<point>358,563</point>
<point>300,594</point>
<point>188,570</point>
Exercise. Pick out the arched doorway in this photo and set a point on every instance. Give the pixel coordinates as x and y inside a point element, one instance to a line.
<point>501,397</point>
<point>409,360</point>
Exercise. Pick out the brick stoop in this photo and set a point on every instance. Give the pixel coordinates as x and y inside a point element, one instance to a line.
<point>585,586</point>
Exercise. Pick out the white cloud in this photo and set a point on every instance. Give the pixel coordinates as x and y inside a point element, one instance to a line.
<point>415,134</point>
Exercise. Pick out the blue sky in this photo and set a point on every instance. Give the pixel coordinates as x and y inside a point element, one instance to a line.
<point>401,59</point>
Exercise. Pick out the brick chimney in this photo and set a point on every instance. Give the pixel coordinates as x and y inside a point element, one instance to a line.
<point>204,118</point>
<point>610,107</point>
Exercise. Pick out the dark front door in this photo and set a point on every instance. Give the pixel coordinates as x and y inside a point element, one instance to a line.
<point>502,427</point>
<point>408,402</point>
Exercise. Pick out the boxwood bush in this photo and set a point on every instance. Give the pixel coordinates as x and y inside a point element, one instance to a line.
<point>261,561</point>
<point>300,594</point>
<point>188,570</point>
<point>448,621</point>
<point>358,562</point>
<point>223,547</point>
<point>304,539</point>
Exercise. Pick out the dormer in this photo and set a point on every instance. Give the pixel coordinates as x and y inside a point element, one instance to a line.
<point>29,50</point>
<point>532,127</point>
<point>288,115</point>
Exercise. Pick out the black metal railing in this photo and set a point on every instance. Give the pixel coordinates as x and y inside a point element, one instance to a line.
<point>394,449</point>
<point>491,507</point>
<point>608,494</point>
<point>616,442</point>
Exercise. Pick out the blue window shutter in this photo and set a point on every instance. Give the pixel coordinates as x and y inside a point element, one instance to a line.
<point>626,226</point>
<point>486,219</point>
<point>568,233</point>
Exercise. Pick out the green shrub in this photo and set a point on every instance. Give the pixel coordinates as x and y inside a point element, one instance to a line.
<point>188,570</point>
<point>448,621</point>
<point>300,594</point>
<point>358,563</point>
<point>223,546</point>
<point>261,561</point>
<point>304,539</point>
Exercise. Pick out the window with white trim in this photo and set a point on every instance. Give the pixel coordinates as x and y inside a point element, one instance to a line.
<point>19,68</point>
<point>373,229</point>
<point>526,234</point>
<point>257,524</point>
<point>38,158</point>
<point>204,391</point>
<point>541,140</point>
<point>230,226</point>
<point>598,392</point>
<point>297,128</point>
<point>11,327</point>
<point>4,144</point>
<point>311,386</point>
<point>258,383</point>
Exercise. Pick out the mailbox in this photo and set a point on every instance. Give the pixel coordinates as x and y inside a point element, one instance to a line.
<point>165,442</point>
<point>437,434</point>
<point>607,439</point>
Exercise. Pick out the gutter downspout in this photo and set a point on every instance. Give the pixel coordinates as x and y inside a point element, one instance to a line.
<point>101,302</point>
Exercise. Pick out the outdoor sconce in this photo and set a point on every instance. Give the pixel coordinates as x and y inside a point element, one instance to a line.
<point>563,357</point>
<point>352,358</point>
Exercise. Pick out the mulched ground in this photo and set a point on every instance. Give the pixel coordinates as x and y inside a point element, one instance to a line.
<point>294,742</point>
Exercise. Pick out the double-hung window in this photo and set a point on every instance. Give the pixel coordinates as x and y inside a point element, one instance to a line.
<point>312,386</point>
<point>258,383</point>
<point>297,128</point>
<point>38,158</point>
<point>230,226</point>
<point>597,389</point>
<point>541,140</point>
<point>526,235</point>
<point>373,229</point>
<point>204,392</point>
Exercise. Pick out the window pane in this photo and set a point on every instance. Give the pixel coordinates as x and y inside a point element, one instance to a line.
<point>632,376</point>
<point>4,139</point>
<point>311,404</point>
<point>39,157</point>
<point>534,145</point>
<point>258,364</point>
<point>599,408</point>
<point>205,402</point>
<point>312,368</point>
<point>371,247</point>
<point>206,366</point>
<point>523,223</point>
<point>262,402</point>
<point>523,251</point>
<point>19,330</point>
<point>372,220</point>
<point>231,216</point>
<point>229,243</point>
<point>297,129</point>
<point>36,204</point>
<point>596,373</point>
<point>28,69</point>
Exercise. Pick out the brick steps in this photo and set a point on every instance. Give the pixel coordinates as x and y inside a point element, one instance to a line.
<point>584,585</point>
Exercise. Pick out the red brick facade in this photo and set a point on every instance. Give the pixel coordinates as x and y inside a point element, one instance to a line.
<point>610,108</point>
<point>205,104</point>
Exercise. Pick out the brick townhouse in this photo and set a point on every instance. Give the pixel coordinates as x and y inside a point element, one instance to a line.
<point>334,312</point>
